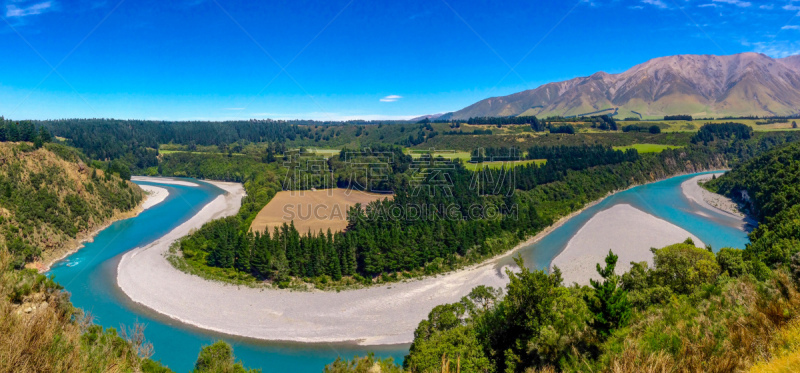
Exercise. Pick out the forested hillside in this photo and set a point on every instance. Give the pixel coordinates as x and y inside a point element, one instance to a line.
<point>769,186</point>
<point>50,198</point>
<point>137,141</point>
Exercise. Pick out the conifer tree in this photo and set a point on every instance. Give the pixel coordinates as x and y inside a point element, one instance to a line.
<point>609,302</point>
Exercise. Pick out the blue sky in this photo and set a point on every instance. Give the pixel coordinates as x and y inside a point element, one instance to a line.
<point>340,59</point>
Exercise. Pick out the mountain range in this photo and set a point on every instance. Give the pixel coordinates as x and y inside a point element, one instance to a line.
<point>699,85</point>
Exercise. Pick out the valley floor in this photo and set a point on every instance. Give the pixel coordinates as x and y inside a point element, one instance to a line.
<point>386,314</point>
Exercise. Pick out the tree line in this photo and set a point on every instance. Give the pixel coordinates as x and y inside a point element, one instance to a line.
<point>23,131</point>
<point>654,129</point>
<point>678,117</point>
<point>722,131</point>
<point>534,122</point>
<point>136,142</point>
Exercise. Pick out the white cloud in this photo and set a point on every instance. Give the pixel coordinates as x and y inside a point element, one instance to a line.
<point>707,5</point>
<point>776,49</point>
<point>391,98</point>
<point>656,3</point>
<point>739,3</point>
<point>767,7</point>
<point>790,27</point>
<point>33,9</point>
<point>794,8</point>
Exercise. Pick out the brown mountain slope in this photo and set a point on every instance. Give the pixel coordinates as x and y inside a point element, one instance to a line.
<point>701,85</point>
<point>792,62</point>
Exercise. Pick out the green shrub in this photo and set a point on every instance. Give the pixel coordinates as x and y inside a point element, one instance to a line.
<point>730,260</point>
<point>683,267</point>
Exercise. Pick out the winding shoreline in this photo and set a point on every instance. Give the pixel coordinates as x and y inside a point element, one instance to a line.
<point>712,201</point>
<point>147,278</point>
<point>378,315</point>
<point>153,196</point>
<point>626,230</point>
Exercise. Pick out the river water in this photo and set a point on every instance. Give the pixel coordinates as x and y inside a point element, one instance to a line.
<point>90,274</point>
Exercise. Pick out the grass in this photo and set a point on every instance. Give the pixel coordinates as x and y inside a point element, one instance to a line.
<point>42,332</point>
<point>325,152</point>
<point>647,148</point>
<point>786,364</point>
<point>784,349</point>
<point>503,164</point>
<point>693,126</point>
<point>466,156</point>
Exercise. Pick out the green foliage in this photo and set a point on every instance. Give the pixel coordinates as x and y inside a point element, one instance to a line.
<point>24,131</point>
<point>522,317</point>
<point>568,129</point>
<point>683,268</point>
<point>49,199</point>
<point>119,168</point>
<point>731,261</point>
<point>469,143</point>
<point>367,364</point>
<point>685,317</point>
<point>609,302</point>
<point>218,358</point>
<point>66,153</point>
<point>643,291</point>
<point>678,117</point>
<point>459,346</point>
<point>722,131</point>
<point>445,338</point>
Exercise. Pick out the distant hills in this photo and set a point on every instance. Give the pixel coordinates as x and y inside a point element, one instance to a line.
<point>423,117</point>
<point>700,85</point>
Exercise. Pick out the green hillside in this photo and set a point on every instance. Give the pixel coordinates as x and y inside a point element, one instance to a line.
<point>50,199</point>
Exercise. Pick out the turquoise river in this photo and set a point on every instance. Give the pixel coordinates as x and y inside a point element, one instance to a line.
<point>90,274</point>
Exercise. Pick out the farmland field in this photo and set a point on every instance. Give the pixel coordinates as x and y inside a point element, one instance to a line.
<point>503,164</point>
<point>444,154</point>
<point>693,126</point>
<point>647,148</point>
<point>312,210</point>
<point>323,152</point>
